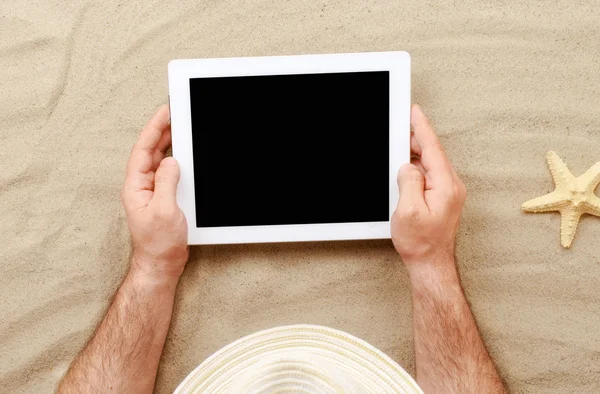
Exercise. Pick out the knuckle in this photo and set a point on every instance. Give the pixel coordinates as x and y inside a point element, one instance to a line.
<point>414,176</point>
<point>162,177</point>
<point>457,196</point>
<point>409,173</point>
<point>463,190</point>
<point>448,193</point>
<point>456,191</point>
<point>460,187</point>
<point>408,213</point>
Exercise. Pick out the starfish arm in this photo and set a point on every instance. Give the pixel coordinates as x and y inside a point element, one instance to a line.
<point>591,178</point>
<point>560,173</point>
<point>550,202</point>
<point>592,206</point>
<point>568,225</point>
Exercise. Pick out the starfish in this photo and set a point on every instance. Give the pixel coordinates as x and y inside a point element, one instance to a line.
<point>572,197</point>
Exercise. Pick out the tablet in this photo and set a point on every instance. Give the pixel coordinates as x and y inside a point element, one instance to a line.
<point>290,148</point>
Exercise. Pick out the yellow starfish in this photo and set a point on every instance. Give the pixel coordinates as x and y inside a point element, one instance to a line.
<point>572,197</point>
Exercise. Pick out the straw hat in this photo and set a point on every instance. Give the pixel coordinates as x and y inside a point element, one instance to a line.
<point>299,359</point>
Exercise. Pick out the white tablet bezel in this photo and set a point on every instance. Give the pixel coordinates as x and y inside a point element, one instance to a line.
<point>180,72</point>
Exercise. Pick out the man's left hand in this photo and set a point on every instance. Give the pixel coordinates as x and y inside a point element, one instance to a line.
<point>157,225</point>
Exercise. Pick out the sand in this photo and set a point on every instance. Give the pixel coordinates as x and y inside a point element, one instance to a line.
<point>503,83</point>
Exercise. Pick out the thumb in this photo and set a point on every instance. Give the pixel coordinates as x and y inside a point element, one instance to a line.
<point>166,180</point>
<point>411,185</point>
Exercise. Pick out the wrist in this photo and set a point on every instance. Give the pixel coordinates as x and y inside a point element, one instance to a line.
<point>433,272</point>
<point>150,274</point>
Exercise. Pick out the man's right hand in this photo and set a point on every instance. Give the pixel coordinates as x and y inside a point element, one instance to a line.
<point>426,219</point>
<point>450,355</point>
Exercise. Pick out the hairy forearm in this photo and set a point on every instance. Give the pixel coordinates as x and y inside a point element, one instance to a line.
<point>125,350</point>
<point>450,354</point>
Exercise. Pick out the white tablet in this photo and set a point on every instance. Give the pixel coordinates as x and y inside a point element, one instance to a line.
<point>290,148</point>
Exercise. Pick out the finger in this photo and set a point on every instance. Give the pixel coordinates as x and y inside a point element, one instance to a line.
<point>153,131</point>
<point>454,173</point>
<point>432,156</point>
<point>165,183</point>
<point>141,159</point>
<point>455,176</point>
<point>161,149</point>
<point>411,185</point>
<point>165,140</point>
<point>415,148</point>
<point>416,161</point>
<point>157,157</point>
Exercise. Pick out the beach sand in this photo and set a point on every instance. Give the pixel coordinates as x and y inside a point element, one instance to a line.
<point>503,83</point>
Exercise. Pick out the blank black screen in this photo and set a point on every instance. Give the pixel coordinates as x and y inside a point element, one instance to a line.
<point>291,149</point>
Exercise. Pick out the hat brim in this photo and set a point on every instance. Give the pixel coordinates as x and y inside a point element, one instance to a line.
<point>354,358</point>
